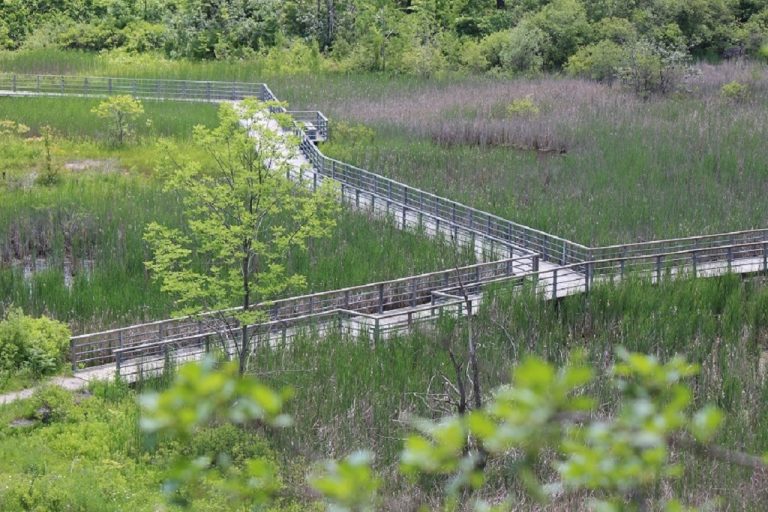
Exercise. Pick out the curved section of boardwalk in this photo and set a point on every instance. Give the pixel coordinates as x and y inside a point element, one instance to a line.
<point>518,257</point>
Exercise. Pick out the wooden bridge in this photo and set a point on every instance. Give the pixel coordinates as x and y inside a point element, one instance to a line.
<point>516,258</point>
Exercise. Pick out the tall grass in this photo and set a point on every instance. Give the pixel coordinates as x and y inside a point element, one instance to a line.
<point>595,164</point>
<point>95,224</point>
<point>367,401</point>
<point>72,117</point>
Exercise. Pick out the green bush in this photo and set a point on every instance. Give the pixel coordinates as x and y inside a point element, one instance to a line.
<point>734,91</point>
<point>618,30</point>
<point>651,68</point>
<point>52,404</point>
<point>87,36</point>
<point>566,26</point>
<point>238,443</point>
<point>600,61</point>
<point>524,49</point>
<point>39,344</point>
<point>523,107</point>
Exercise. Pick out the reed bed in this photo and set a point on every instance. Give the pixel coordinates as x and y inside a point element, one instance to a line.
<point>89,229</point>
<point>367,402</point>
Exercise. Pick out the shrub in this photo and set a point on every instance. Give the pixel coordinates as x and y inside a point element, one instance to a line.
<point>523,107</point>
<point>566,26</point>
<point>120,112</point>
<point>653,69</point>
<point>236,442</point>
<point>472,56</point>
<point>600,61</point>
<point>618,30</point>
<point>52,404</point>
<point>491,46</point>
<point>87,36</point>
<point>37,343</point>
<point>524,49</point>
<point>141,36</point>
<point>734,91</point>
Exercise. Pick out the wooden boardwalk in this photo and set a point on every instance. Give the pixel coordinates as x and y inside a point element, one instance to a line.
<point>515,257</point>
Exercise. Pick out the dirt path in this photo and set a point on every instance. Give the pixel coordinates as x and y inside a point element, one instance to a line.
<point>69,383</point>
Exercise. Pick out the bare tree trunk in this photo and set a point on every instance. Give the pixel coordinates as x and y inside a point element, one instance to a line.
<point>245,341</point>
<point>245,349</point>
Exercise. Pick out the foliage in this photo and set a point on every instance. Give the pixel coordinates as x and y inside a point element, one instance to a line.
<point>50,175</point>
<point>736,92</point>
<point>422,37</point>
<point>120,113</point>
<point>41,344</point>
<point>653,69</point>
<point>523,107</point>
<point>203,394</point>
<point>600,61</point>
<point>618,458</point>
<point>544,408</point>
<point>348,485</point>
<point>243,215</point>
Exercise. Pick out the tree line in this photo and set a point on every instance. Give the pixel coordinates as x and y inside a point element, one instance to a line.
<point>398,36</point>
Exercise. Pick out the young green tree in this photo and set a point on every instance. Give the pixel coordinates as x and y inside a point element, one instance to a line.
<point>120,113</point>
<point>243,214</point>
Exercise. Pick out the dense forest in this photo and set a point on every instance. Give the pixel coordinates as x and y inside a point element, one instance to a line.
<point>595,38</point>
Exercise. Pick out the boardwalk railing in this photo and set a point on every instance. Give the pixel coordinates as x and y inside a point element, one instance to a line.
<point>415,313</point>
<point>550,247</point>
<point>179,90</point>
<point>376,298</point>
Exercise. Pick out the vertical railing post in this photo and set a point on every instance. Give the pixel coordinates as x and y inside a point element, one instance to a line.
<point>729,258</point>
<point>658,269</point>
<point>695,263</point>
<point>765,257</point>
<point>37,84</point>
<point>208,91</point>
<point>554,284</point>
<point>588,277</point>
<point>73,354</point>
<point>109,86</point>
<point>13,82</point>
<point>85,86</point>
<point>381,298</point>
<point>61,84</point>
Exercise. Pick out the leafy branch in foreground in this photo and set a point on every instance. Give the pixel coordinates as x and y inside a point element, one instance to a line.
<point>617,460</point>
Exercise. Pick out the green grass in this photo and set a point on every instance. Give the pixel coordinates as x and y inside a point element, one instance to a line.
<point>72,117</point>
<point>101,219</point>
<point>90,455</point>
<point>720,324</point>
<point>632,170</point>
